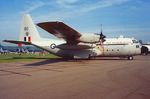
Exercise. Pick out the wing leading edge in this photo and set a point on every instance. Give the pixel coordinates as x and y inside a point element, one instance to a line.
<point>61,30</point>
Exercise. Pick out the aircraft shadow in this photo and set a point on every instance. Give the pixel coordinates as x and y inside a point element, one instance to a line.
<point>29,58</point>
<point>56,60</point>
<point>48,61</point>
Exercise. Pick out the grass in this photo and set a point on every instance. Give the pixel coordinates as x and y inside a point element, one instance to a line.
<point>24,57</point>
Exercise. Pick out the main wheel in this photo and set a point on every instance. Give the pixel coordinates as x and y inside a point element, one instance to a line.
<point>89,57</point>
<point>130,57</point>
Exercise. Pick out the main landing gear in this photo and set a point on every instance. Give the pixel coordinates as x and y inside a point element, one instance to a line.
<point>130,57</point>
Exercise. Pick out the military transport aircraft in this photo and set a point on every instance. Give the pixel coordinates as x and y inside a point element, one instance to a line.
<point>73,44</point>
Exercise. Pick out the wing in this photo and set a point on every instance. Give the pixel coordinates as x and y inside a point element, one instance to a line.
<point>61,30</point>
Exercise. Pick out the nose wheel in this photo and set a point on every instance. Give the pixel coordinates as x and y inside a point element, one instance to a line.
<point>130,57</point>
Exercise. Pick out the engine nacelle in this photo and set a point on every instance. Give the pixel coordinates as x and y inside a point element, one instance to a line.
<point>89,38</point>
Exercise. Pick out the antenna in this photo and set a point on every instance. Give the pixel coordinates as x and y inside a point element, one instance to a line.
<point>101,28</point>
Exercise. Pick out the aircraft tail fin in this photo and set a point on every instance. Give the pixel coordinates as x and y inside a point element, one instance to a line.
<point>28,31</point>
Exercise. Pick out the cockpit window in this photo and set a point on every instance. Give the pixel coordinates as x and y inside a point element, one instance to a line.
<point>135,41</point>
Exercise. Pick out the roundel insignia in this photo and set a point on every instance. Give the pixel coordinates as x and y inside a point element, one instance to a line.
<point>52,46</point>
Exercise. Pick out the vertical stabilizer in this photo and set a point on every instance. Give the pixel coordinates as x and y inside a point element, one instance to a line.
<point>28,31</point>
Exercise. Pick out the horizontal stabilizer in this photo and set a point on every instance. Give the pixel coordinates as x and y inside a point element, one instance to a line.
<point>17,42</point>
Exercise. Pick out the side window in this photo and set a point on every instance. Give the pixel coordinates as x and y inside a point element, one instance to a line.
<point>137,46</point>
<point>134,41</point>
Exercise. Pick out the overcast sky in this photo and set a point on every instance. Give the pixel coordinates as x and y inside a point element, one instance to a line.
<point>130,18</point>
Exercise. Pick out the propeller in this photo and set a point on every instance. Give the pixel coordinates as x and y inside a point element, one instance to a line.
<point>101,36</point>
<point>141,42</point>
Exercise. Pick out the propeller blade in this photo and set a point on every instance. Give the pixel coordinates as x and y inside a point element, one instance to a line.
<point>101,35</point>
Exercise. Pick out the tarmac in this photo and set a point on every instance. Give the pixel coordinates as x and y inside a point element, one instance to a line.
<point>69,79</point>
